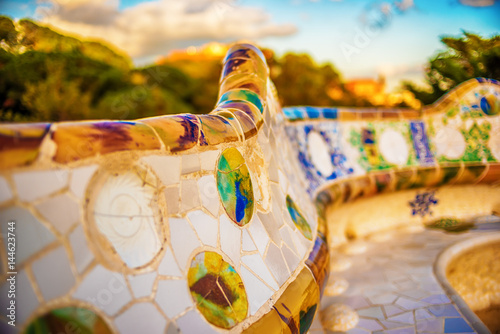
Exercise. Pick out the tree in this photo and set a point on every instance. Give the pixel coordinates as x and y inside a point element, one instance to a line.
<point>301,82</point>
<point>466,57</point>
<point>55,99</point>
<point>8,33</point>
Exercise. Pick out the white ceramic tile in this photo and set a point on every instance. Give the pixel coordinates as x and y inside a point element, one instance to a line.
<point>406,318</point>
<point>260,194</point>
<point>5,192</point>
<point>291,259</point>
<point>190,163</point>
<point>80,178</point>
<point>168,266</point>
<point>205,226</point>
<point>61,211</point>
<point>318,151</point>
<point>26,300</point>
<point>278,218</point>
<point>258,292</point>
<point>209,160</point>
<point>230,239</point>
<point>276,264</point>
<point>396,327</point>
<point>82,256</point>
<point>273,171</point>
<point>259,234</point>
<point>255,263</point>
<point>141,318</point>
<point>263,140</point>
<point>287,239</point>
<point>279,197</point>
<point>431,325</point>
<point>370,324</point>
<point>300,243</point>
<point>124,214</point>
<point>283,181</point>
<point>32,185</point>
<point>173,329</point>
<point>193,322</point>
<point>173,297</point>
<point>168,168</point>
<point>142,285</point>
<point>31,235</point>
<point>173,199</point>
<point>449,142</point>
<point>190,198</point>
<point>247,243</point>
<point>105,289</point>
<point>393,147</point>
<point>208,194</point>
<point>372,312</point>
<point>183,240</point>
<point>53,274</point>
<point>423,314</point>
<point>409,304</point>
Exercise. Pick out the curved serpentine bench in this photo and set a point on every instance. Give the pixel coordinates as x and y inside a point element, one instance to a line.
<point>212,223</point>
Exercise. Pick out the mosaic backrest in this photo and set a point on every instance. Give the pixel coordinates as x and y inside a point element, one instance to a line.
<point>209,223</point>
<point>347,154</point>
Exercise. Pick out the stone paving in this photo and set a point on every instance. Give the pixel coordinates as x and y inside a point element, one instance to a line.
<point>392,285</point>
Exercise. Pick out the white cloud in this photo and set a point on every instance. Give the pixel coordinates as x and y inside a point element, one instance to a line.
<point>154,27</point>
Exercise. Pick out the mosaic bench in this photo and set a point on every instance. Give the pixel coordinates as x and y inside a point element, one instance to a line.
<point>212,223</point>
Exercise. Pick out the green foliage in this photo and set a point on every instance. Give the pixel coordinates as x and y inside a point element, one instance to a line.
<point>47,76</point>
<point>466,57</point>
<point>56,99</point>
<point>204,80</point>
<point>300,81</point>
<point>301,89</point>
<point>43,39</point>
<point>139,102</point>
<point>8,33</point>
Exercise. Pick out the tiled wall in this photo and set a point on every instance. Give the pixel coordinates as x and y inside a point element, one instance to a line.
<point>207,223</point>
<point>361,152</point>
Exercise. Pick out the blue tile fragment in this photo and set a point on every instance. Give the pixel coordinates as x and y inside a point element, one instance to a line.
<point>456,325</point>
<point>312,112</point>
<point>289,113</point>
<point>299,113</point>
<point>330,113</point>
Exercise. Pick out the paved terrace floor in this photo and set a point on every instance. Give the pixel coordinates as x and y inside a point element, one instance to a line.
<point>392,285</point>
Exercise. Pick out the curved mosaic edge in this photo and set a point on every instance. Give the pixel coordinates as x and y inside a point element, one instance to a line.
<point>376,182</point>
<point>440,266</point>
<point>305,113</point>
<point>237,116</point>
<point>348,157</point>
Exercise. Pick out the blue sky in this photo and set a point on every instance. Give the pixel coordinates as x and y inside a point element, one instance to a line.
<point>362,38</point>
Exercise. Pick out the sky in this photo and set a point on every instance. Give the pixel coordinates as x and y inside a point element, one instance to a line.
<point>361,38</point>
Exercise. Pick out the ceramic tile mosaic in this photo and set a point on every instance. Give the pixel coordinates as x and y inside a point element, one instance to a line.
<point>215,223</point>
